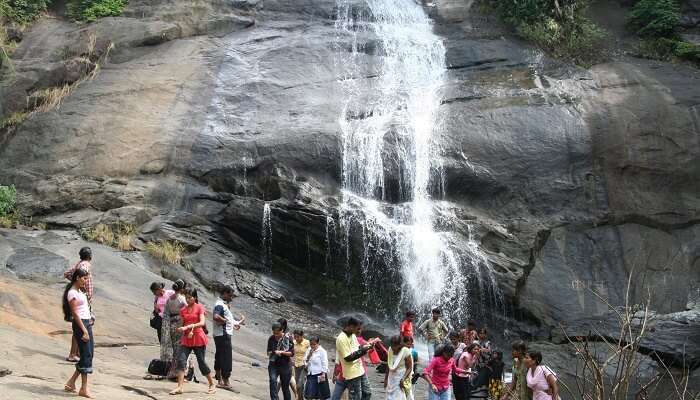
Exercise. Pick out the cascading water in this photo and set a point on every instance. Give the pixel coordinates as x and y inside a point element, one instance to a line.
<point>266,243</point>
<point>389,153</point>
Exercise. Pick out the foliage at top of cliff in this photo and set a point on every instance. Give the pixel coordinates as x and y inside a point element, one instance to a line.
<point>658,18</point>
<point>22,11</point>
<point>559,26</point>
<point>91,10</point>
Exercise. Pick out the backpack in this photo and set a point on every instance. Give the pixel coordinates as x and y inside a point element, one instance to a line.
<point>158,367</point>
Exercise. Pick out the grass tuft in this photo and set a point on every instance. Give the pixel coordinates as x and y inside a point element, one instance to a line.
<point>167,251</point>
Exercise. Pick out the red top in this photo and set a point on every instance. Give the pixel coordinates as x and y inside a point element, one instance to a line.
<point>189,317</point>
<point>407,329</point>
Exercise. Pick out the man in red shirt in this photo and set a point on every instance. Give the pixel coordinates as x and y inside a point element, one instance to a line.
<point>407,325</point>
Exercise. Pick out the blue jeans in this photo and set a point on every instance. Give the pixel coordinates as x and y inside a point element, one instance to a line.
<point>441,395</point>
<point>284,372</point>
<point>84,366</point>
<point>338,390</point>
<point>358,388</point>
<point>431,349</point>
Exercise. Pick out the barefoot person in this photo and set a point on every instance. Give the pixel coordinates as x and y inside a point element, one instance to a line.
<point>76,309</point>
<point>280,350</point>
<point>193,340</point>
<point>85,255</point>
<point>224,324</point>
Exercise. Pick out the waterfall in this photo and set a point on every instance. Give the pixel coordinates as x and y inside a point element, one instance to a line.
<point>266,243</point>
<point>390,159</point>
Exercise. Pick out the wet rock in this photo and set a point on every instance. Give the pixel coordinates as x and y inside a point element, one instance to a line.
<point>37,264</point>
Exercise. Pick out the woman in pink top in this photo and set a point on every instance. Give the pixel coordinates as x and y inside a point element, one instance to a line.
<point>465,363</point>
<point>540,379</point>
<point>161,296</point>
<point>439,371</point>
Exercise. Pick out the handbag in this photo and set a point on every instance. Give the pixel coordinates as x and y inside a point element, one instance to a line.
<point>158,367</point>
<point>156,321</point>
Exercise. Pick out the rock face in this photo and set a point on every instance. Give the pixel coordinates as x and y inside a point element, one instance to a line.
<point>569,180</point>
<point>37,264</point>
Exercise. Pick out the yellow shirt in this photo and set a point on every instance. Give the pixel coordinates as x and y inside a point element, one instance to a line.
<point>344,346</point>
<point>299,351</point>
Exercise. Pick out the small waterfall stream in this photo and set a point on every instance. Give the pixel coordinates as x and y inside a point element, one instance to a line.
<point>391,169</point>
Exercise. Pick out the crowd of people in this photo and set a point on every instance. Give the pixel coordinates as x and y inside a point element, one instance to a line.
<point>459,362</point>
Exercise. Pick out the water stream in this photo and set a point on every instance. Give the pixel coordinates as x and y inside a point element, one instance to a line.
<point>391,161</point>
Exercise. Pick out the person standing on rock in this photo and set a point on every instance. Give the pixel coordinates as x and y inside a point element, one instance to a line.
<point>397,379</point>
<point>439,372</point>
<point>540,379</point>
<point>170,330</point>
<point>76,308</point>
<point>518,387</point>
<point>85,255</point>
<point>301,345</point>
<point>406,329</point>
<point>435,331</point>
<point>316,362</point>
<point>350,352</point>
<point>193,340</point>
<point>161,296</point>
<point>280,350</point>
<point>224,324</point>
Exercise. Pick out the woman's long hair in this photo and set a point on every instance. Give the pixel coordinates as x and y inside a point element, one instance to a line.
<point>67,314</point>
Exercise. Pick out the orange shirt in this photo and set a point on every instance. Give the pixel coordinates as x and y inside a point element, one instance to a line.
<point>407,329</point>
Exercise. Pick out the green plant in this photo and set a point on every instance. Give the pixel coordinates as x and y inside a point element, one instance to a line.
<point>13,119</point>
<point>91,10</point>
<point>100,233</point>
<point>655,18</point>
<point>559,26</point>
<point>687,51</point>
<point>8,199</point>
<point>168,251</point>
<point>656,48</point>
<point>23,11</point>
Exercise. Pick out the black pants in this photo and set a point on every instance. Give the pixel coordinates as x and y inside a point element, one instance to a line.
<point>223,358</point>
<point>284,372</point>
<point>460,387</point>
<point>199,352</point>
<point>87,349</point>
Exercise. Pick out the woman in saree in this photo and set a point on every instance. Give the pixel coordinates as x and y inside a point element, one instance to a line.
<point>397,380</point>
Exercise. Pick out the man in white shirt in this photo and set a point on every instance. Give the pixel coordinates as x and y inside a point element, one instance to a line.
<point>224,324</point>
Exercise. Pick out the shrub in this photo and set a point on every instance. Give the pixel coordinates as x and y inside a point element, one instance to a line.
<point>91,10</point>
<point>23,11</point>
<point>8,199</point>
<point>655,18</point>
<point>560,27</point>
<point>687,51</point>
<point>100,233</point>
<point>656,49</point>
<point>167,251</point>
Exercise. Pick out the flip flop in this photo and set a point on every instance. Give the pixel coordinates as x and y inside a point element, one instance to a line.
<point>69,389</point>
<point>211,390</point>
<point>176,392</point>
<point>148,377</point>
<point>73,359</point>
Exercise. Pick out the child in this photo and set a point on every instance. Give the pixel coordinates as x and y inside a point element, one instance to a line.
<point>495,366</point>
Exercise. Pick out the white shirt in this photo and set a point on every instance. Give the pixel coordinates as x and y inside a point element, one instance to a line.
<point>83,307</point>
<point>318,363</point>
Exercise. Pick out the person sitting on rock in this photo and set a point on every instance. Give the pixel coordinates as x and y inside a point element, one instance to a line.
<point>85,255</point>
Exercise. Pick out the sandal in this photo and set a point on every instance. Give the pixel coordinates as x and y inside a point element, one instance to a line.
<point>149,377</point>
<point>176,392</point>
<point>211,390</point>
<point>73,359</point>
<point>69,389</point>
